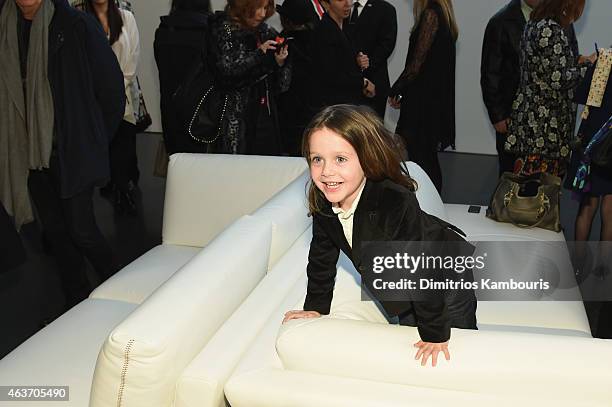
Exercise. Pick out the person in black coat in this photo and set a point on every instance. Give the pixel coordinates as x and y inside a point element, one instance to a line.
<point>373,32</point>
<point>500,69</point>
<point>425,90</point>
<point>337,77</point>
<point>295,105</point>
<point>88,102</point>
<point>180,41</point>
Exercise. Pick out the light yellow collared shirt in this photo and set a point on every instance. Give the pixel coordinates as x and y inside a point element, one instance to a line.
<point>526,9</point>
<point>346,217</point>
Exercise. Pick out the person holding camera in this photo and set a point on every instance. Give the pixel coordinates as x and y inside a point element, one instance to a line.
<point>251,67</point>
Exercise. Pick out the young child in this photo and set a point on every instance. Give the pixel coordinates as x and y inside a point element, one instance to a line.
<point>361,192</point>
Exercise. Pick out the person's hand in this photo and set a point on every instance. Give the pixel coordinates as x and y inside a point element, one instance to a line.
<point>270,44</point>
<point>582,59</point>
<point>395,101</point>
<point>501,126</point>
<point>427,349</point>
<point>281,55</point>
<point>363,61</point>
<point>369,89</point>
<point>299,314</point>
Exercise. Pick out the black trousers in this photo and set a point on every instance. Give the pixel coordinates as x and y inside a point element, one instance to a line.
<point>425,154</point>
<point>12,252</point>
<point>506,160</point>
<point>123,160</point>
<point>70,226</point>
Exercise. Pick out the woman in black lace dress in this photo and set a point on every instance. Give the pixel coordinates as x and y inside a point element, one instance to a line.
<point>252,68</point>
<point>425,91</point>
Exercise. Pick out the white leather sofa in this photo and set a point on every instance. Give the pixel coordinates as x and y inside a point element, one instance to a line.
<point>195,321</point>
<point>525,352</point>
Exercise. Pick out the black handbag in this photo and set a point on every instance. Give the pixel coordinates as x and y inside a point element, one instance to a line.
<point>143,118</point>
<point>200,104</point>
<point>602,154</point>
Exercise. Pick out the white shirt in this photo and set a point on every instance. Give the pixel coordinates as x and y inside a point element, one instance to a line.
<point>127,50</point>
<point>346,217</point>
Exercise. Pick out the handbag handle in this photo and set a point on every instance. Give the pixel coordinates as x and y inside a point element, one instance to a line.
<point>544,207</point>
<point>195,114</point>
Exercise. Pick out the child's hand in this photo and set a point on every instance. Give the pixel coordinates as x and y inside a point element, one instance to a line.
<point>427,349</point>
<point>299,314</point>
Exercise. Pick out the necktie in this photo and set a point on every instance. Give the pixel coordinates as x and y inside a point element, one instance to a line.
<point>318,8</point>
<point>355,13</point>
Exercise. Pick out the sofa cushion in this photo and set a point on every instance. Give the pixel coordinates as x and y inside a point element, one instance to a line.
<point>496,363</point>
<point>201,383</point>
<point>136,281</point>
<point>64,352</point>
<point>143,356</point>
<point>273,387</point>
<point>205,193</point>
<point>427,194</point>
<point>288,213</point>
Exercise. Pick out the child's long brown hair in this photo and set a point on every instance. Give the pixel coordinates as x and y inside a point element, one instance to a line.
<point>379,153</point>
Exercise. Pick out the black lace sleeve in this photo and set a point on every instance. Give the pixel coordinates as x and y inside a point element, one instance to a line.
<point>427,30</point>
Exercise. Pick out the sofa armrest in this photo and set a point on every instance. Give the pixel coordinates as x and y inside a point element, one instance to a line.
<point>201,383</point>
<point>144,355</point>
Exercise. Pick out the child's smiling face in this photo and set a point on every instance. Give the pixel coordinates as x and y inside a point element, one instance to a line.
<point>335,168</point>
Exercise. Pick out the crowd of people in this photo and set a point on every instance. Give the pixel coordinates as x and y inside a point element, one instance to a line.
<point>69,97</point>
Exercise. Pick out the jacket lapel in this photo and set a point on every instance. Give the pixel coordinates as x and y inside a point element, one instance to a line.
<point>515,13</point>
<point>335,227</point>
<point>365,219</point>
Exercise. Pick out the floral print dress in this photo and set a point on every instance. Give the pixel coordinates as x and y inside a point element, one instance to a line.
<point>543,115</point>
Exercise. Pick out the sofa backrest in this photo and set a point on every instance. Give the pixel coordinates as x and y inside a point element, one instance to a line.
<point>205,193</point>
<point>427,194</point>
<point>288,213</point>
<point>144,355</point>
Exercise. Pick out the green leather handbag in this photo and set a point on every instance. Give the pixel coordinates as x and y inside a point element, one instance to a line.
<point>513,203</point>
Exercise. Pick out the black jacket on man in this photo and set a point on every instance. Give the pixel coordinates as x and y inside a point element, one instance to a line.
<point>337,78</point>
<point>500,65</point>
<point>375,34</point>
<point>386,212</point>
<point>88,97</point>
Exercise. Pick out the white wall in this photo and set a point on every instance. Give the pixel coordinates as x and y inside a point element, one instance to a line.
<point>474,133</point>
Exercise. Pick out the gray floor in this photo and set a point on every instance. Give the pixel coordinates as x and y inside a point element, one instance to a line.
<point>31,293</point>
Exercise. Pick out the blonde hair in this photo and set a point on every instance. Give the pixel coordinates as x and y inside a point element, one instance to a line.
<point>447,9</point>
<point>378,149</point>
